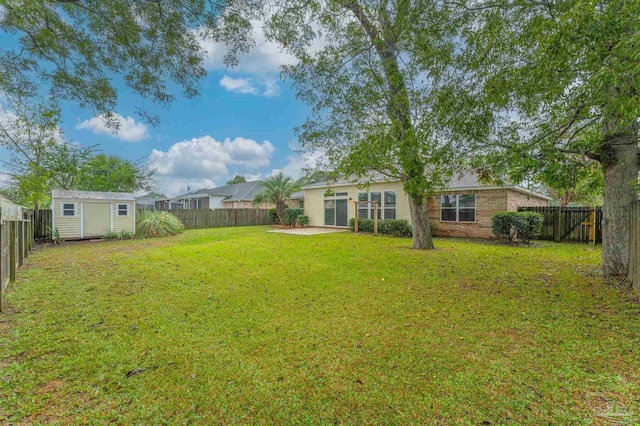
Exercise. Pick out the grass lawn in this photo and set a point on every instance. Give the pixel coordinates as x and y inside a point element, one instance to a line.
<point>241,326</point>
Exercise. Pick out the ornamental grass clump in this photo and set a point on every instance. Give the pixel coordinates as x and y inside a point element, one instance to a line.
<point>156,223</point>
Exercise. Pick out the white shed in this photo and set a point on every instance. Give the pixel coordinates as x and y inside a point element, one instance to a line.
<point>87,214</point>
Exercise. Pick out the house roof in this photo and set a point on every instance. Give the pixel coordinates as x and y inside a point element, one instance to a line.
<point>92,195</point>
<point>245,191</point>
<point>467,181</point>
<point>297,195</point>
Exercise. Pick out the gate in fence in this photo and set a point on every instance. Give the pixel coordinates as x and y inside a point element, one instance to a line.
<point>574,224</point>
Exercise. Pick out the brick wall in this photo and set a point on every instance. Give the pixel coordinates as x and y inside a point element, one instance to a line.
<point>488,203</point>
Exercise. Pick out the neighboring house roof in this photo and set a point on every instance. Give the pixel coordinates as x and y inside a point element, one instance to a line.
<point>468,181</point>
<point>245,191</point>
<point>92,195</point>
<point>297,195</point>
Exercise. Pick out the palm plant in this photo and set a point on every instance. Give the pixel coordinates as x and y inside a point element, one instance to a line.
<point>277,190</point>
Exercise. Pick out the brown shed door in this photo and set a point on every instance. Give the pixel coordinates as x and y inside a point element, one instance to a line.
<point>97,219</point>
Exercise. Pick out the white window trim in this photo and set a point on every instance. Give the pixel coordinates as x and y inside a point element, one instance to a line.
<point>118,210</point>
<point>75,209</point>
<point>457,209</point>
<point>382,206</point>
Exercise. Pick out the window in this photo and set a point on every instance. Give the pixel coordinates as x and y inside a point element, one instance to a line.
<point>123,210</point>
<point>301,204</point>
<point>376,196</point>
<point>341,194</point>
<point>330,212</point>
<point>386,205</point>
<point>363,209</point>
<point>389,204</point>
<point>68,209</point>
<point>458,208</point>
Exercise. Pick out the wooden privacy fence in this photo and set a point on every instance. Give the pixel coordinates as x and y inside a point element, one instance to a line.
<point>42,224</point>
<point>575,224</point>
<point>16,241</point>
<point>634,246</point>
<point>220,218</point>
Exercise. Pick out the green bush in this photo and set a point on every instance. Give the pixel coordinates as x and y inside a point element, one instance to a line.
<point>122,235</point>
<point>394,227</point>
<point>110,236</point>
<point>533,224</point>
<point>516,225</point>
<point>156,223</point>
<point>272,216</point>
<point>291,216</point>
<point>303,220</point>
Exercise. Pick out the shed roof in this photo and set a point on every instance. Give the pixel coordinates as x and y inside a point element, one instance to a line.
<point>92,195</point>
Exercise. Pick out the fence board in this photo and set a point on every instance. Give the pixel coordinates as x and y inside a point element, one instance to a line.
<point>42,221</point>
<point>221,218</point>
<point>568,223</point>
<point>634,246</point>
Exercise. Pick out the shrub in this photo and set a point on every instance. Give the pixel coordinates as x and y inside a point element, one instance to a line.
<point>156,223</point>
<point>516,225</point>
<point>272,216</point>
<point>110,236</point>
<point>394,227</point>
<point>291,215</point>
<point>122,235</point>
<point>533,223</point>
<point>303,220</point>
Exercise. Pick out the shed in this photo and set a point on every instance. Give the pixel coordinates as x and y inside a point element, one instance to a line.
<point>88,214</point>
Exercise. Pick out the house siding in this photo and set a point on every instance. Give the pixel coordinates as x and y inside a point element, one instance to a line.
<point>71,227</point>
<point>488,203</point>
<point>123,223</point>
<point>68,227</point>
<point>314,200</point>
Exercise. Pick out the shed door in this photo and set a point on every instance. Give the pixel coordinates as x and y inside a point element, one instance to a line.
<point>97,219</point>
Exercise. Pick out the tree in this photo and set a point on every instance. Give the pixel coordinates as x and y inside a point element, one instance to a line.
<point>560,78</point>
<point>237,179</point>
<point>277,190</point>
<point>110,173</point>
<point>372,98</point>
<point>75,48</point>
<point>29,132</point>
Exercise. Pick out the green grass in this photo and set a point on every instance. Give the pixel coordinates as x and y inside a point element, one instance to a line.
<point>242,326</point>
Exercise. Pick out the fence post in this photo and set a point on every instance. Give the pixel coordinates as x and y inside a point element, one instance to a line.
<point>20,233</point>
<point>2,273</point>
<point>12,251</point>
<point>556,224</point>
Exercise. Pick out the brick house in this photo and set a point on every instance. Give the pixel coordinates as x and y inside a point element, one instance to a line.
<point>463,210</point>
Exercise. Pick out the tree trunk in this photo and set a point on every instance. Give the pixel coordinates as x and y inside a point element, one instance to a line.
<point>620,165</point>
<point>420,223</point>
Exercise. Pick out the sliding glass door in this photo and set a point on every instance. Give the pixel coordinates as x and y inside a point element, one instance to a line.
<point>335,212</point>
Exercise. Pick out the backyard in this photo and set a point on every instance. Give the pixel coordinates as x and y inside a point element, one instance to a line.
<point>237,325</point>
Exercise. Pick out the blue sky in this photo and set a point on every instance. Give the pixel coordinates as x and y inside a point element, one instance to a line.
<point>242,123</point>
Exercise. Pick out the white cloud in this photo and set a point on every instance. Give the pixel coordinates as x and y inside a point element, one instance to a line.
<point>266,57</point>
<point>239,85</point>
<point>298,162</point>
<point>127,128</point>
<point>17,127</point>
<point>201,161</point>
<point>264,87</point>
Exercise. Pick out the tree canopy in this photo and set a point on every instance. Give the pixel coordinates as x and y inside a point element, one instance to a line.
<point>557,82</point>
<point>237,179</point>
<point>76,48</point>
<point>372,72</point>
